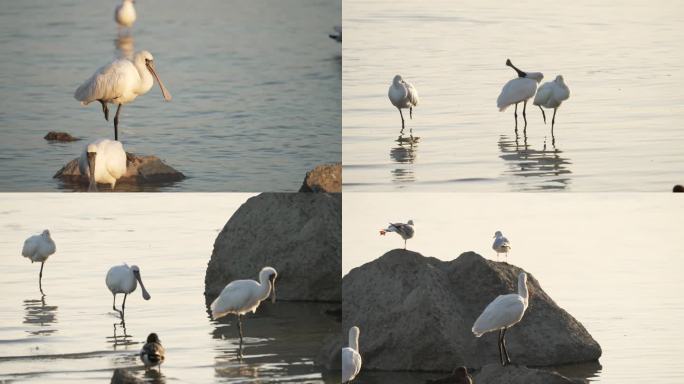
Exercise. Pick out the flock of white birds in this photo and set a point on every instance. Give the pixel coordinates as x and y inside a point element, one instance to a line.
<point>403,95</point>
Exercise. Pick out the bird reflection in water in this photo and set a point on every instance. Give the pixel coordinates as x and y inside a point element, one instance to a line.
<point>154,376</point>
<point>125,46</point>
<point>41,315</point>
<point>404,153</point>
<point>540,169</point>
<point>120,336</point>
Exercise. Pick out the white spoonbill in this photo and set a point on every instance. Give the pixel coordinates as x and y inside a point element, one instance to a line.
<point>39,248</point>
<point>351,359</point>
<point>404,230</point>
<point>124,279</point>
<point>120,82</point>
<point>550,95</point>
<point>104,161</point>
<point>152,353</point>
<point>124,15</point>
<point>243,296</point>
<point>518,90</point>
<point>501,244</point>
<point>502,313</point>
<point>403,95</point>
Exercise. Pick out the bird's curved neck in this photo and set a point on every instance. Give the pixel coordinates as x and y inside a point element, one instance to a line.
<point>354,341</point>
<point>146,79</point>
<point>522,290</point>
<point>264,288</point>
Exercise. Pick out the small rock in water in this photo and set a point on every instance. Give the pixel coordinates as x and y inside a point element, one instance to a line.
<point>60,136</point>
<point>323,178</point>
<point>678,188</point>
<point>122,376</point>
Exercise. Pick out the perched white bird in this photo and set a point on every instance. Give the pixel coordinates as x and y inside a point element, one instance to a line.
<point>243,296</point>
<point>39,248</point>
<point>120,82</point>
<point>501,244</point>
<point>351,359</point>
<point>124,279</point>
<point>502,313</point>
<point>124,15</point>
<point>104,161</point>
<point>403,95</point>
<point>152,353</point>
<point>404,230</point>
<point>518,90</point>
<point>550,95</point>
<point>337,36</point>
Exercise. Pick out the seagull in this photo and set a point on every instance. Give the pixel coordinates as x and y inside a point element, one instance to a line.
<point>501,245</point>
<point>152,353</point>
<point>103,161</point>
<point>518,90</point>
<point>124,279</point>
<point>403,95</point>
<point>124,14</point>
<point>39,248</point>
<point>550,95</point>
<point>243,296</point>
<point>502,313</point>
<point>404,230</point>
<point>351,359</point>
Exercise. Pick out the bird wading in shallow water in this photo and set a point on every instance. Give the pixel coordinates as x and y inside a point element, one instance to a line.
<point>518,90</point>
<point>152,353</point>
<point>551,95</point>
<point>120,82</point>
<point>103,161</point>
<point>351,359</point>
<point>404,230</point>
<point>501,314</point>
<point>243,296</point>
<point>403,95</point>
<point>124,279</point>
<point>39,248</point>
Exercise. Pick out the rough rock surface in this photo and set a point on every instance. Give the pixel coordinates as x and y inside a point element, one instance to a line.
<point>60,136</point>
<point>139,170</point>
<point>323,178</point>
<point>298,234</point>
<point>121,376</point>
<point>416,313</point>
<point>496,374</point>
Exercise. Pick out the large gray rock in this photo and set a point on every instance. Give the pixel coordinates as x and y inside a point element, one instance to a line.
<point>511,374</point>
<point>323,178</point>
<point>416,313</point>
<point>139,170</point>
<point>298,234</point>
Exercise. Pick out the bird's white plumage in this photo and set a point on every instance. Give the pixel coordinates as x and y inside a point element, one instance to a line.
<point>406,231</point>
<point>516,91</point>
<point>402,94</point>
<point>118,82</point>
<point>501,243</point>
<point>243,296</point>
<point>39,247</point>
<point>351,359</point>
<point>504,311</point>
<point>124,279</point>
<point>110,161</point>
<point>124,14</point>
<point>551,94</point>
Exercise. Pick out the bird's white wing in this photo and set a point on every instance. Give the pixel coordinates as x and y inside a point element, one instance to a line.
<point>501,241</point>
<point>504,311</point>
<point>108,82</point>
<point>30,246</point>
<point>544,93</point>
<point>561,93</point>
<point>233,297</point>
<point>515,91</point>
<point>397,94</point>
<point>351,364</point>
<point>412,94</point>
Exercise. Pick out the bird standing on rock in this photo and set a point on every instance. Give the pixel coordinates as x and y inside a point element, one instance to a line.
<point>152,353</point>
<point>404,230</point>
<point>501,245</point>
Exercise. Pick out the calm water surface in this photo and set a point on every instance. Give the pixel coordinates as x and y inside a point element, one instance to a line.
<point>73,334</point>
<point>256,89</point>
<point>613,261</point>
<point>620,130</point>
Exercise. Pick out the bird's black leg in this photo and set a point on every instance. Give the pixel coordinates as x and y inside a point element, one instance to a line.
<point>114,307</point>
<point>543,114</point>
<point>515,116</point>
<point>553,121</point>
<point>105,109</point>
<point>116,122</point>
<point>40,278</point>
<point>524,114</point>
<point>503,345</point>
<point>411,112</point>
<point>240,329</point>
<point>402,119</point>
<point>498,343</point>
<point>123,306</point>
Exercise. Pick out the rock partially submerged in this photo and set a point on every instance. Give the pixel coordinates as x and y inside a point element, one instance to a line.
<point>299,234</point>
<point>416,313</point>
<point>139,170</point>
<point>122,376</point>
<point>323,178</point>
<point>512,374</point>
<point>60,136</point>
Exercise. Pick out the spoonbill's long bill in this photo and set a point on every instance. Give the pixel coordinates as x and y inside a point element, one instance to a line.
<point>120,82</point>
<point>39,248</point>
